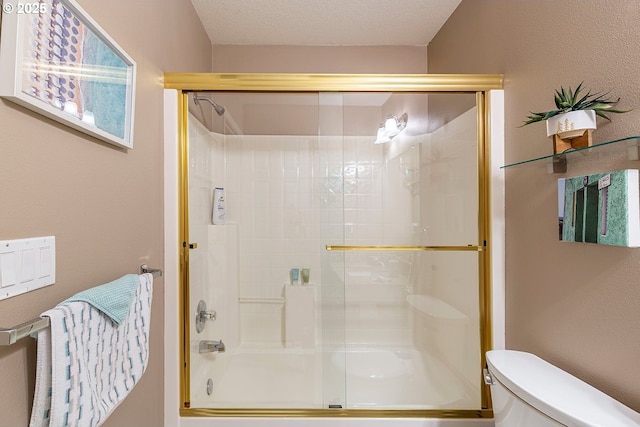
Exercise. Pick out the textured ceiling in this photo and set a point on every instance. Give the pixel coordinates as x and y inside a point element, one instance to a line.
<point>323,22</point>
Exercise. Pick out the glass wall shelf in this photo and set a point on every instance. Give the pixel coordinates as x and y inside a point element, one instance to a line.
<point>559,161</point>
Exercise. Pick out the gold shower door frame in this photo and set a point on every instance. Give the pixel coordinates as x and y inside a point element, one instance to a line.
<point>291,83</point>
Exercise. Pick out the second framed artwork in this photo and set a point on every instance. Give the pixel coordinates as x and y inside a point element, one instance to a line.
<point>59,62</point>
<point>601,208</point>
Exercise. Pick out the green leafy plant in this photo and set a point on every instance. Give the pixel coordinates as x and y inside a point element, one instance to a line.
<point>569,100</point>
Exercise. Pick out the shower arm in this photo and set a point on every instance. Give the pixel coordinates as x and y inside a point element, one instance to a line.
<point>219,108</point>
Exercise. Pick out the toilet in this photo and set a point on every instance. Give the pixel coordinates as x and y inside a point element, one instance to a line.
<point>529,392</point>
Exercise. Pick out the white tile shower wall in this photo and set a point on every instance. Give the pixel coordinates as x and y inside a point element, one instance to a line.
<point>386,212</point>
<point>221,295</point>
<point>200,187</point>
<point>221,292</point>
<point>270,196</point>
<point>291,196</point>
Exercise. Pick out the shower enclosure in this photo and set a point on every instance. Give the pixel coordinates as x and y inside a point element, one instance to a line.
<point>389,226</point>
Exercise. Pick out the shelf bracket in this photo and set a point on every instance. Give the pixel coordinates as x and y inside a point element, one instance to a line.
<point>559,165</point>
<point>560,145</point>
<point>633,147</point>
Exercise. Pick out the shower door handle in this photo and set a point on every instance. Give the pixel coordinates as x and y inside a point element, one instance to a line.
<point>467,248</point>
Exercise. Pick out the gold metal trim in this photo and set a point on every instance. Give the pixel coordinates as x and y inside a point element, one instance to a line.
<point>337,413</point>
<point>183,248</point>
<point>486,333</point>
<point>483,261</point>
<point>333,82</point>
<point>468,248</point>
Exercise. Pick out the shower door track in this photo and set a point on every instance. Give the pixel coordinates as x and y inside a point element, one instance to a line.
<point>480,84</point>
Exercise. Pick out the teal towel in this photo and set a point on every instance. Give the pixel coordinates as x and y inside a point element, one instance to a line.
<point>113,299</point>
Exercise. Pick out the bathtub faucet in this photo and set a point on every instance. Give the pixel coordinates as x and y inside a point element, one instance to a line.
<point>207,346</point>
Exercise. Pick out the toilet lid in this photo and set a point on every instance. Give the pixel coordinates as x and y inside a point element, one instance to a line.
<point>556,393</point>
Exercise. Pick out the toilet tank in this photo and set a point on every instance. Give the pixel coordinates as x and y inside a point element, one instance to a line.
<point>529,392</point>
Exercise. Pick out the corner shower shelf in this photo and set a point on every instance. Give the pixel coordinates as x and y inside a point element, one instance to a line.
<point>434,307</point>
<point>557,163</point>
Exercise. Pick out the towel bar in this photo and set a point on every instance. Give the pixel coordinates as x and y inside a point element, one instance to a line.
<point>9,336</point>
<point>156,272</point>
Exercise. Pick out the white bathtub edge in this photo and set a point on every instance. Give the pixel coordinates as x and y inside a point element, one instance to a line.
<point>334,422</point>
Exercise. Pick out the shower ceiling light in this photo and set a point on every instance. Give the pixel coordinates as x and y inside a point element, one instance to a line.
<point>381,138</point>
<point>390,128</point>
<point>394,125</point>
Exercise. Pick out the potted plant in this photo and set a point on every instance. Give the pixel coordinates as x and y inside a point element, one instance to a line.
<point>574,115</point>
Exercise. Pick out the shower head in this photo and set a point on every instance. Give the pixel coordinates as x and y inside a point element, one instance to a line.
<point>219,108</point>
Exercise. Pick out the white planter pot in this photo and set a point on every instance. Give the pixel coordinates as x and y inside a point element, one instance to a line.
<point>572,124</point>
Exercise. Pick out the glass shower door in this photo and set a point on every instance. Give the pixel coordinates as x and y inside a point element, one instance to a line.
<point>212,317</point>
<point>330,202</point>
<point>267,154</point>
<point>390,318</point>
<point>411,254</point>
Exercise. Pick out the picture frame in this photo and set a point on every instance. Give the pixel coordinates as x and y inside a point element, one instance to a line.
<point>601,208</point>
<point>57,61</point>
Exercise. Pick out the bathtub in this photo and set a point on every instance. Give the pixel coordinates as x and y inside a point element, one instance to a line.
<point>258,378</point>
<point>377,378</point>
<point>389,378</point>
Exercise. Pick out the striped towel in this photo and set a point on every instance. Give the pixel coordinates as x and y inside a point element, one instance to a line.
<point>87,363</point>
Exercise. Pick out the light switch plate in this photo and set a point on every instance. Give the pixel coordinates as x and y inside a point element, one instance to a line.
<point>26,265</point>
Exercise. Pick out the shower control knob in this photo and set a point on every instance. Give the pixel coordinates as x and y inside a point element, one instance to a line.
<point>208,315</point>
<point>202,315</point>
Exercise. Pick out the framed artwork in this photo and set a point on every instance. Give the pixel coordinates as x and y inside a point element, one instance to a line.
<point>601,208</point>
<point>57,61</point>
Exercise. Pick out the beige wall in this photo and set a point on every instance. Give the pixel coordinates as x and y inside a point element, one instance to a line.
<point>576,305</point>
<point>319,59</point>
<point>103,204</point>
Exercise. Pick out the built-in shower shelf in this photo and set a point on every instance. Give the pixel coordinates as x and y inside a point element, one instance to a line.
<point>557,163</point>
<point>435,307</point>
